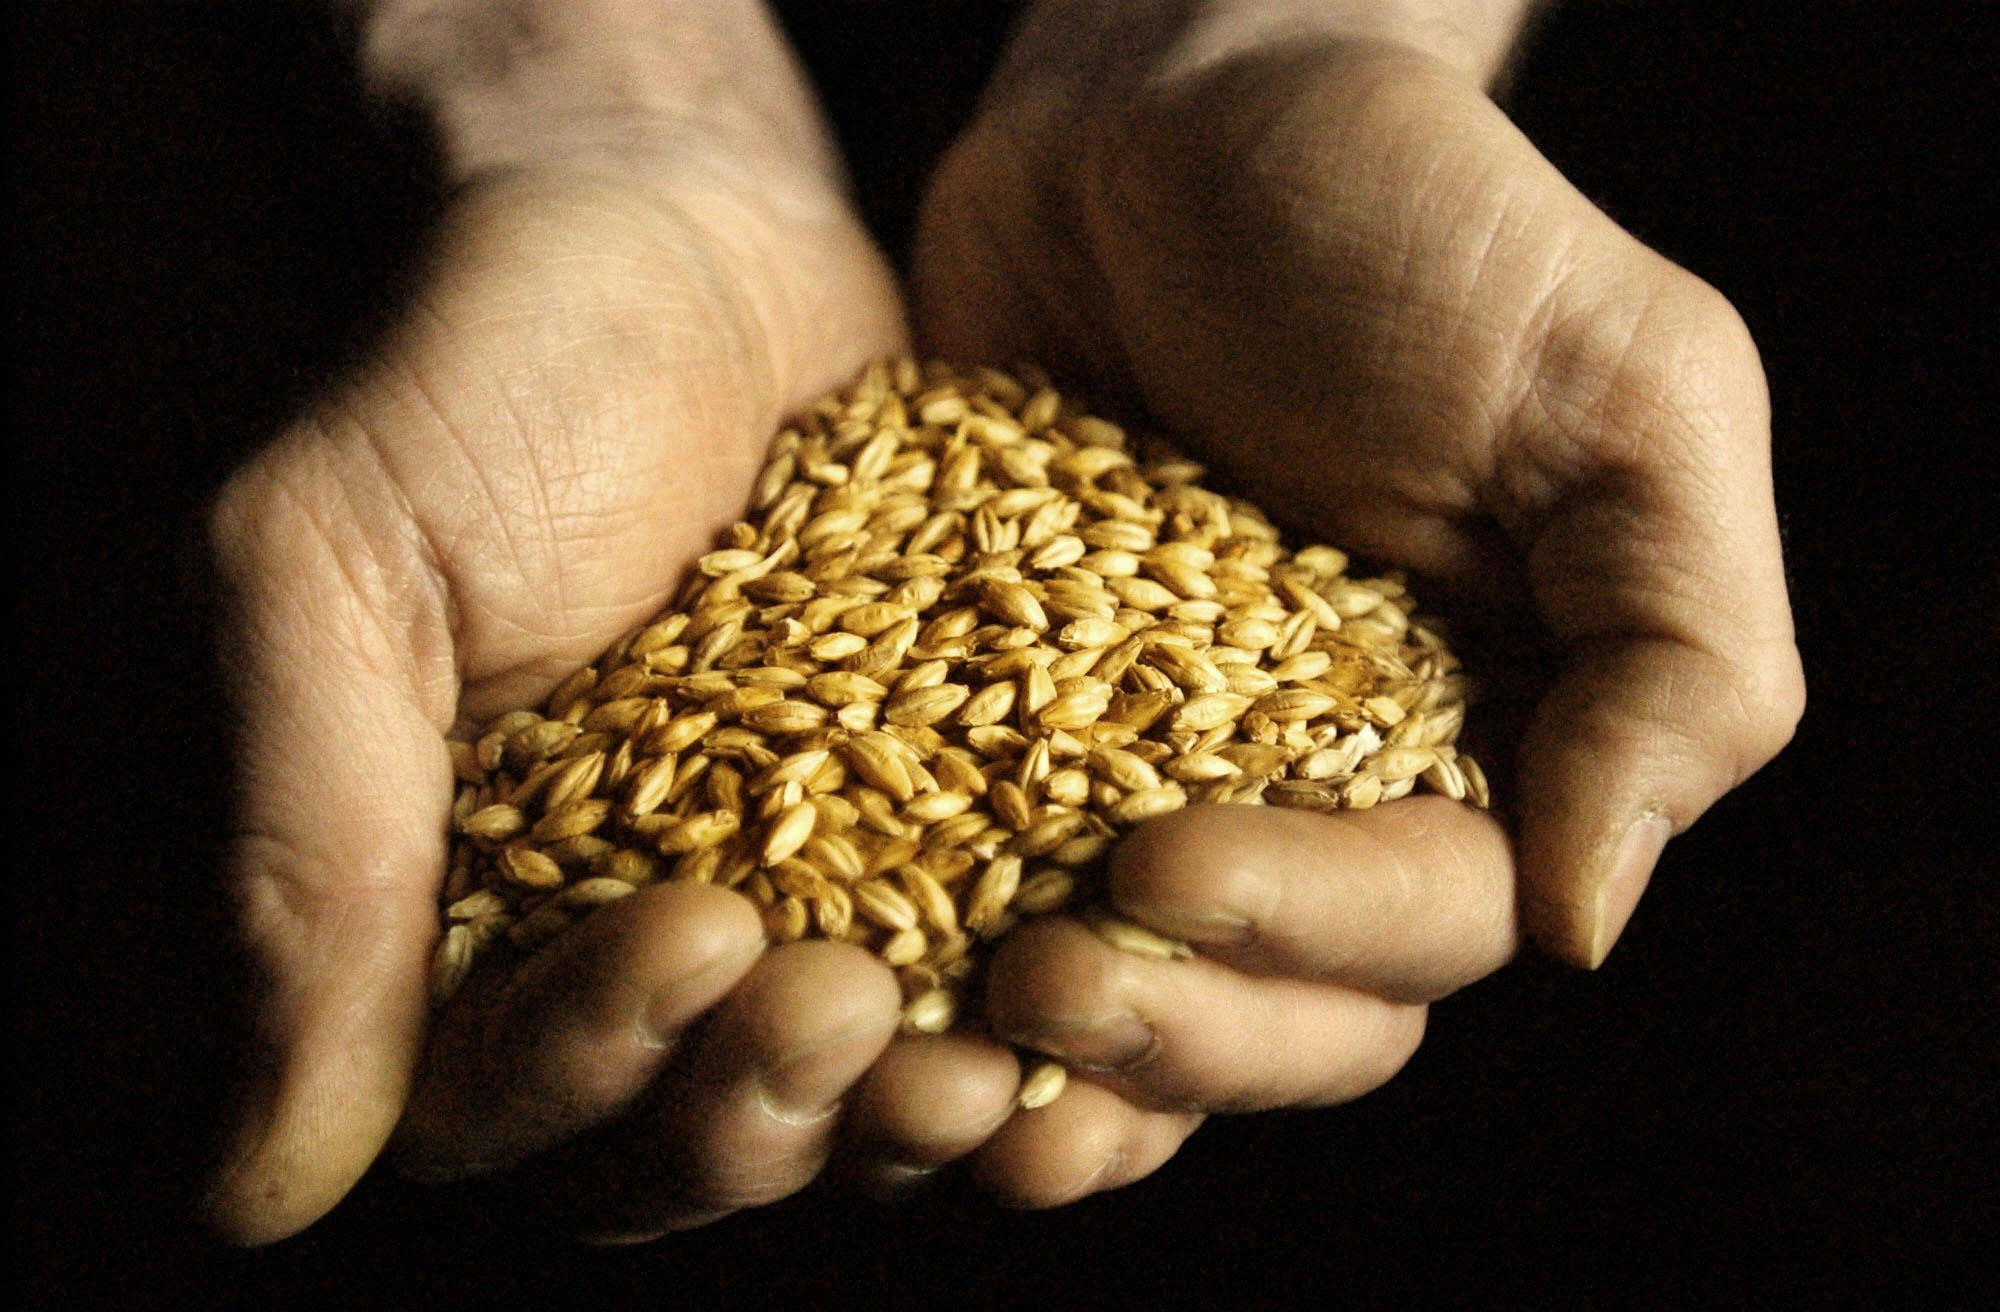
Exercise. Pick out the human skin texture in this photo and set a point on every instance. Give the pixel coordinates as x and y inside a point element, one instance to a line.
<point>647,261</point>
<point>1304,239</point>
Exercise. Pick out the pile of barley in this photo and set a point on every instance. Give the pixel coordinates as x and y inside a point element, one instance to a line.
<point>963,641</point>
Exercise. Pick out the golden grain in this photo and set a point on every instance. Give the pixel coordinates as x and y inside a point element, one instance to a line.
<point>1042,1085</point>
<point>1130,936</point>
<point>931,1012</point>
<point>962,643</point>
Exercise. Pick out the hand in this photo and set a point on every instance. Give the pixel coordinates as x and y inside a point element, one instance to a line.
<point>1302,239</point>
<point>625,299</point>
<point>1319,941</point>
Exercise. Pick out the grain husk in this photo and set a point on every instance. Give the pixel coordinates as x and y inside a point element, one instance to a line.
<point>968,635</point>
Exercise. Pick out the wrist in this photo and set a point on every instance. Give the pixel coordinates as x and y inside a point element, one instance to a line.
<point>598,85</point>
<point>1069,53</point>
<point>1473,37</point>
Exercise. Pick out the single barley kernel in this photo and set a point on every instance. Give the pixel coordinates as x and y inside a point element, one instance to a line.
<point>1042,1085</point>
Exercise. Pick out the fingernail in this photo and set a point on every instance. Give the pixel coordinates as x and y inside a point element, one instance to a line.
<point>1210,928</point>
<point>895,1182</point>
<point>620,1239</point>
<point>627,1238</point>
<point>1625,881</point>
<point>1115,1042</point>
<point>1106,1170</point>
<point>805,1086</point>
<point>675,1004</point>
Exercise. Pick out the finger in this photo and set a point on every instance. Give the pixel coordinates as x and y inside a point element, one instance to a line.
<point>1087,1141</point>
<point>344,787</point>
<point>1605,409</point>
<point>1409,901</point>
<point>1656,562</point>
<point>577,1033</point>
<point>1193,1034</point>
<point>749,1114</point>
<point>929,1100</point>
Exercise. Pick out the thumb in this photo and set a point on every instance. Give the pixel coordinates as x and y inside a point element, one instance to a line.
<point>343,800</point>
<point>1659,571</point>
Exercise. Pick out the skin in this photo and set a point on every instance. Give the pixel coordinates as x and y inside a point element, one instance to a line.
<point>648,262</point>
<point>1332,267</point>
<point>1303,239</point>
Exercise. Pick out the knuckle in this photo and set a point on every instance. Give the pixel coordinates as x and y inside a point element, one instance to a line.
<point>1689,369</point>
<point>1716,323</point>
<point>299,907</point>
<point>1727,711</point>
<point>1772,694</point>
<point>238,516</point>
<point>1746,705</point>
<point>267,491</point>
<point>311,524</point>
<point>1651,367</point>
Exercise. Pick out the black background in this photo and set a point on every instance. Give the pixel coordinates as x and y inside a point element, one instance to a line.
<point>1781,1085</point>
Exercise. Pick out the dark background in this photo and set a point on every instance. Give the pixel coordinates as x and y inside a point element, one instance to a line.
<point>1781,1085</point>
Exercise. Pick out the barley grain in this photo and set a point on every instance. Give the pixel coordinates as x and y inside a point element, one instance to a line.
<point>1042,1085</point>
<point>962,643</point>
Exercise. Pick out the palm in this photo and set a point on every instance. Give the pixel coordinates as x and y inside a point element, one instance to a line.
<point>580,403</point>
<point>575,402</point>
<point>1313,270</point>
<point>1336,271</point>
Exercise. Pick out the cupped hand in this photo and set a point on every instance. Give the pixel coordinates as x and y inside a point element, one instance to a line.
<point>1319,942</point>
<point>1330,265</point>
<point>575,400</point>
